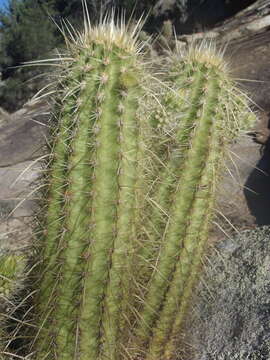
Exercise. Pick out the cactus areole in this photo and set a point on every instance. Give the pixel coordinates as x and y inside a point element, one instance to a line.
<point>87,245</point>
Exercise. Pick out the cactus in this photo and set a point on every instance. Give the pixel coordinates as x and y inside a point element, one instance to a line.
<point>116,272</point>
<point>88,245</point>
<point>207,112</point>
<point>12,275</point>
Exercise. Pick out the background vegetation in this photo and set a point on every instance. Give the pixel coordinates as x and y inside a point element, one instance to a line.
<point>28,32</point>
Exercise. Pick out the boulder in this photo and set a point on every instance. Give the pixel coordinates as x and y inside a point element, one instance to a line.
<point>231,312</point>
<point>23,136</point>
<point>22,143</point>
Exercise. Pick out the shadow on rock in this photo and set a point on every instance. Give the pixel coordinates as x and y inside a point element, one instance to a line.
<point>257,186</point>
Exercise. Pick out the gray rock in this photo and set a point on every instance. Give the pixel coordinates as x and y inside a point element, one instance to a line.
<point>15,180</point>
<point>232,311</point>
<point>4,117</point>
<point>17,204</point>
<point>232,197</point>
<point>23,136</point>
<point>22,140</point>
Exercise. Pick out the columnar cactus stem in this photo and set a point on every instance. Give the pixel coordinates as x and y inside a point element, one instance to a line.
<point>123,248</point>
<point>190,184</point>
<point>88,243</point>
<point>164,192</point>
<point>173,340</point>
<point>52,247</point>
<point>187,267</point>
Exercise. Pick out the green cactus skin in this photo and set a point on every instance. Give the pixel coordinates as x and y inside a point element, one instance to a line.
<point>12,269</point>
<point>87,247</point>
<point>12,276</point>
<point>213,114</point>
<point>172,158</point>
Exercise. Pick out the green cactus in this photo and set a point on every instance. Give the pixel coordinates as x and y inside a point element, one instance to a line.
<point>12,272</point>
<point>12,276</point>
<point>88,244</point>
<point>126,224</point>
<point>205,113</point>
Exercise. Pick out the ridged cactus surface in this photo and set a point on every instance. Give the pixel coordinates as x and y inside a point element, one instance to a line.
<point>88,246</point>
<point>204,112</point>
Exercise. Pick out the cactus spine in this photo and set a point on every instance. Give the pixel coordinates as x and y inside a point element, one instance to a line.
<point>87,247</point>
<point>207,118</point>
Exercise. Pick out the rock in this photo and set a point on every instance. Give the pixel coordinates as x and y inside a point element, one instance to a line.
<point>162,7</point>
<point>16,180</point>
<point>232,207</point>
<point>249,61</point>
<point>23,136</point>
<point>22,140</point>
<point>231,315</point>
<point>4,117</point>
<point>15,234</point>
<point>17,203</point>
<point>259,24</point>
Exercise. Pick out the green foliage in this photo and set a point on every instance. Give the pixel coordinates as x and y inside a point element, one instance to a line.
<point>23,37</point>
<point>18,88</point>
<point>26,34</point>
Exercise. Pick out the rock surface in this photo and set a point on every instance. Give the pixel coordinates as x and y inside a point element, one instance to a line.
<point>231,315</point>
<point>22,137</point>
<point>22,140</point>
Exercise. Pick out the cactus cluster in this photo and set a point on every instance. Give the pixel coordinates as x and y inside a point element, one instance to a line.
<point>132,185</point>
